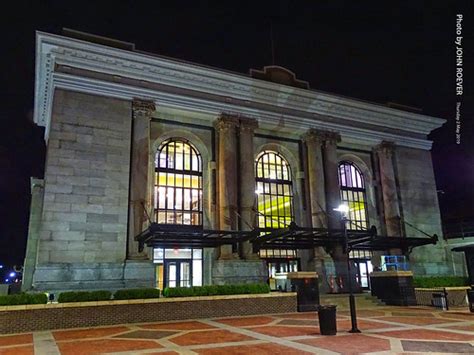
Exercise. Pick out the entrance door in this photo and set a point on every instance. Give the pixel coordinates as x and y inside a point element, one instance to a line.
<point>278,266</point>
<point>178,273</point>
<point>363,269</point>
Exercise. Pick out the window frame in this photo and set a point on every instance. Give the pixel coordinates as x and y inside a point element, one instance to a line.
<point>355,221</point>
<point>278,190</point>
<point>172,171</point>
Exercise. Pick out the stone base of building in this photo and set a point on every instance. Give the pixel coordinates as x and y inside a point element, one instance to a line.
<point>93,276</point>
<point>238,271</point>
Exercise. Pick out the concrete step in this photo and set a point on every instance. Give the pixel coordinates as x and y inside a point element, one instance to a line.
<point>363,300</point>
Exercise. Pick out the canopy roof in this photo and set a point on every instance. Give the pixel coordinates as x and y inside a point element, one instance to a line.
<point>293,237</point>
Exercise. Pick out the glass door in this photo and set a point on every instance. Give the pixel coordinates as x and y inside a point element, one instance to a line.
<point>184,274</point>
<point>279,266</point>
<point>363,270</point>
<point>178,273</point>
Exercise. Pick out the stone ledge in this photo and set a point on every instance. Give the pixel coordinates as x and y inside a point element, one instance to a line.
<point>142,301</point>
<point>391,274</point>
<point>18,319</point>
<point>457,288</point>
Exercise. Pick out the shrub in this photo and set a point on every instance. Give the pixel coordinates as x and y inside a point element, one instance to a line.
<point>23,298</point>
<point>84,296</point>
<point>439,281</point>
<point>216,290</point>
<point>136,293</point>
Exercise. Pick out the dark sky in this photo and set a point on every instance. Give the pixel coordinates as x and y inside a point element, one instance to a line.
<point>404,54</point>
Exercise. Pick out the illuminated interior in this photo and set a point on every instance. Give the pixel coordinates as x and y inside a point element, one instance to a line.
<point>274,191</point>
<point>352,185</point>
<point>178,200</point>
<point>178,184</point>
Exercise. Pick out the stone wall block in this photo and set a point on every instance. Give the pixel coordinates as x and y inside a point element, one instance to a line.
<point>57,188</point>
<point>54,226</point>
<point>102,236</point>
<point>102,218</point>
<point>56,207</point>
<point>88,208</point>
<point>64,217</point>
<point>73,180</point>
<point>85,226</point>
<point>59,170</point>
<point>67,256</point>
<point>68,236</point>
<point>88,190</point>
<point>70,198</point>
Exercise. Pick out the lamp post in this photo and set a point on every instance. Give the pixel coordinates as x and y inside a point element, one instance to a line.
<point>343,209</point>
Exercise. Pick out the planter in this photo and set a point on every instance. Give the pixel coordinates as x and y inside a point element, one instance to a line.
<point>27,318</point>
<point>394,288</point>
<point>456,296</point>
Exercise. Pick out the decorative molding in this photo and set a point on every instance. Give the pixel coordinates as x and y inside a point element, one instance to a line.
<point>331,137</point>
<point>321,137</point>
<point>247,125</point>
<point>143,107</point>
<point>320,109</point>
<point>280,75</point>
<point>386,149</point>
<point>226,122</point>
<point>214,108</point>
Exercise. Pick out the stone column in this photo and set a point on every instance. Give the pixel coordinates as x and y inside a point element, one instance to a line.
<point>314,140</point>
<point>227,178</point>
<point>391,206</point>
<point>331,178</point>
<point>333,200</point>
<point>36,212</point>
<point>247,182</point>
<point>139,203</point>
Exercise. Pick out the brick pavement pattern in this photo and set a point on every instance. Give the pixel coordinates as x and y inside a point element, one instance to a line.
<point>386,330</point>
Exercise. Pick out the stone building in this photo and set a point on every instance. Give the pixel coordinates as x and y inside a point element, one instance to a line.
<point>134,138</point>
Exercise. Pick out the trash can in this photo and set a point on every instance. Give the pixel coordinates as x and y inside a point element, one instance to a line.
<point>438,300</point>
<point>470,298</point>
<point>327,320</point>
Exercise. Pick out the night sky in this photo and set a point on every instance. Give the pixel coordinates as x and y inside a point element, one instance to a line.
<point>403,54</point>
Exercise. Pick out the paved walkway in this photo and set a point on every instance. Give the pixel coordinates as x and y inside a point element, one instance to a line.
<point>385,330</point>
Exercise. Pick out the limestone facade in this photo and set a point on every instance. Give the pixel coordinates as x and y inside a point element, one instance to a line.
<point>106,119</point>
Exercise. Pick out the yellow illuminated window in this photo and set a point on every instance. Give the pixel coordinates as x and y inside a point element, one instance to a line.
<point>274,191</point>
<point>352,185</point>
<point>178,183</point>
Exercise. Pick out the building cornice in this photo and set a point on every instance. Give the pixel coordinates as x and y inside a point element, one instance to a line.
<point>55,50</point>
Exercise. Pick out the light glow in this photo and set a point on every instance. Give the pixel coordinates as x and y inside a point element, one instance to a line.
<point>343,208</point>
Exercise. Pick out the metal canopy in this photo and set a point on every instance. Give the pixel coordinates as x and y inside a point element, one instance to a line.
<point>293,237</point>
<point>181,236</point>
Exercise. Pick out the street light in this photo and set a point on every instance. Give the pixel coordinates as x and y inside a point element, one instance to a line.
<point>344,209</point>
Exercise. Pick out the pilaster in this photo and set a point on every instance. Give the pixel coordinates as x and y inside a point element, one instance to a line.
<point>140,204</point>
<point>385,152</point>
<point>247,179</point>
<point>331,178</point>
<point>226,127</point>
<point>314,141</point>
<point>36,211</point>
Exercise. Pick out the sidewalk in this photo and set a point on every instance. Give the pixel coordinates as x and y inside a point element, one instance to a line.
<point>385,330</point>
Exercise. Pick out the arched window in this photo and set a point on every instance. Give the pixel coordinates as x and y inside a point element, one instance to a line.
<point>351,182</point>
<point>274,191</point>
<point>178,183</point>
